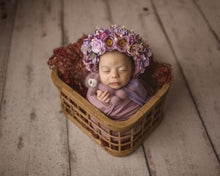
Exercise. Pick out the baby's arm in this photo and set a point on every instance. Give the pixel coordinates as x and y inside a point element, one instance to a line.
<point>103,96</point>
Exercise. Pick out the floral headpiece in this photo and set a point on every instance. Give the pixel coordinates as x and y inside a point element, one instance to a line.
<point>115,38</point>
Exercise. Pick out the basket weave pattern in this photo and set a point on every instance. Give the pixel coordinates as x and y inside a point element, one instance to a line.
<point>119,138</point>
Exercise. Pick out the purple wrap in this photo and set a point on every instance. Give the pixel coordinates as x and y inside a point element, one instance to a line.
<point>124,102</point>
<point>136,92</point>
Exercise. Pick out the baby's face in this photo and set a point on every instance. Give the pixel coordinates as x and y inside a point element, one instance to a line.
<point>115,69</point>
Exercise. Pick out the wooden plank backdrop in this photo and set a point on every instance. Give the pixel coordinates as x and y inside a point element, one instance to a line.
<point>33,131</point>
<point>211,14</point>
<point>199,63</point>
<point>35,136</point>
<point>7,13</point>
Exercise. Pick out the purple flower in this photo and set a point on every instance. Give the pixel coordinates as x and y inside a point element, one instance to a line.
<point>95,59</point>
<point>90,37</point>
<point>102,35</point>
<point>109,31</point>
<point>136,49</point>
<point>98,46</point>
<point>91,62</point>
<point>120,31</point>
<point>139,49</point>
<point>122,43</point>
<point>146,62</point>
<point>85,47</point>
<point>110,43</point>
<point>132,50</point>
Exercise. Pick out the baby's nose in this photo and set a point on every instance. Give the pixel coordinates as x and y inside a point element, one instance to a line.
<point>114,74</point>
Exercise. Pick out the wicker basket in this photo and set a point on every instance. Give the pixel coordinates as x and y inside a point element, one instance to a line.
<point>119,138</point>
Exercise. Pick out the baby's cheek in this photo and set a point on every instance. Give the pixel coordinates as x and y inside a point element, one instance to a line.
<point>105,80</point>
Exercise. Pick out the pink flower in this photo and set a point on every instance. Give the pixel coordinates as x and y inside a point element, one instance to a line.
<point>102,35</point>
<point>98,46</point>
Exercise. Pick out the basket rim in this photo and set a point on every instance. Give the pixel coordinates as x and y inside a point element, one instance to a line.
<point>101,117</point>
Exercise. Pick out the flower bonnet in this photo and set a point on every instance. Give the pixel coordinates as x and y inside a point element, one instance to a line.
<point>115,38</point>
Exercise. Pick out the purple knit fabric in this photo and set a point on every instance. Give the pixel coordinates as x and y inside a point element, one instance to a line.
<point>119,112</point>
<point>136,92</point>
<point>128,100</point>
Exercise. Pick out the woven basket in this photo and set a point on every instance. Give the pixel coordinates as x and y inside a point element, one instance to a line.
<point>119,138</point>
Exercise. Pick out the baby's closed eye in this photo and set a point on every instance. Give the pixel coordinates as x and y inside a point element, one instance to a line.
<point>123,69</point>
<point>105,70</point>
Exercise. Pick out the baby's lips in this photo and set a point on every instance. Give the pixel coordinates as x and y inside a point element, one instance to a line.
<point>115,83</point>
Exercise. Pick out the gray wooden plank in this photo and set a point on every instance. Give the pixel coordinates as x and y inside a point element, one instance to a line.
<point>87,158</point>
<point>7,15</point>
<point>86,16</point>
<point>33,131</point>
<point>210,10</point>
<point>179,146</point>
<point>198,53</point>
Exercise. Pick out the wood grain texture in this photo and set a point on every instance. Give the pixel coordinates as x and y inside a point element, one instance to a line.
<point>7,15</point>
<point>33,131</point>
<point>210,10</point>
<point>197,52</point>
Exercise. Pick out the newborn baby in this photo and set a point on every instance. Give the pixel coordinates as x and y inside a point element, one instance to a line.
<point>112,90</point>
<point>117,55</point>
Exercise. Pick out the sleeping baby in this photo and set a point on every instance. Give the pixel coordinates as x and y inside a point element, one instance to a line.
<point>117,56</point>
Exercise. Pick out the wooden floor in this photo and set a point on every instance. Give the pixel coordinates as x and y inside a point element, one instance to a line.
<point>36,139</point>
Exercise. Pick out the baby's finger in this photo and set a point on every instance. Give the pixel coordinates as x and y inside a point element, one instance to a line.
<point>105,98</point>
<point>105,93</point>
<point>99,92</point>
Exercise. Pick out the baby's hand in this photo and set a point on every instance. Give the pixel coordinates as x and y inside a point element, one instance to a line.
<point>103,96</point>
